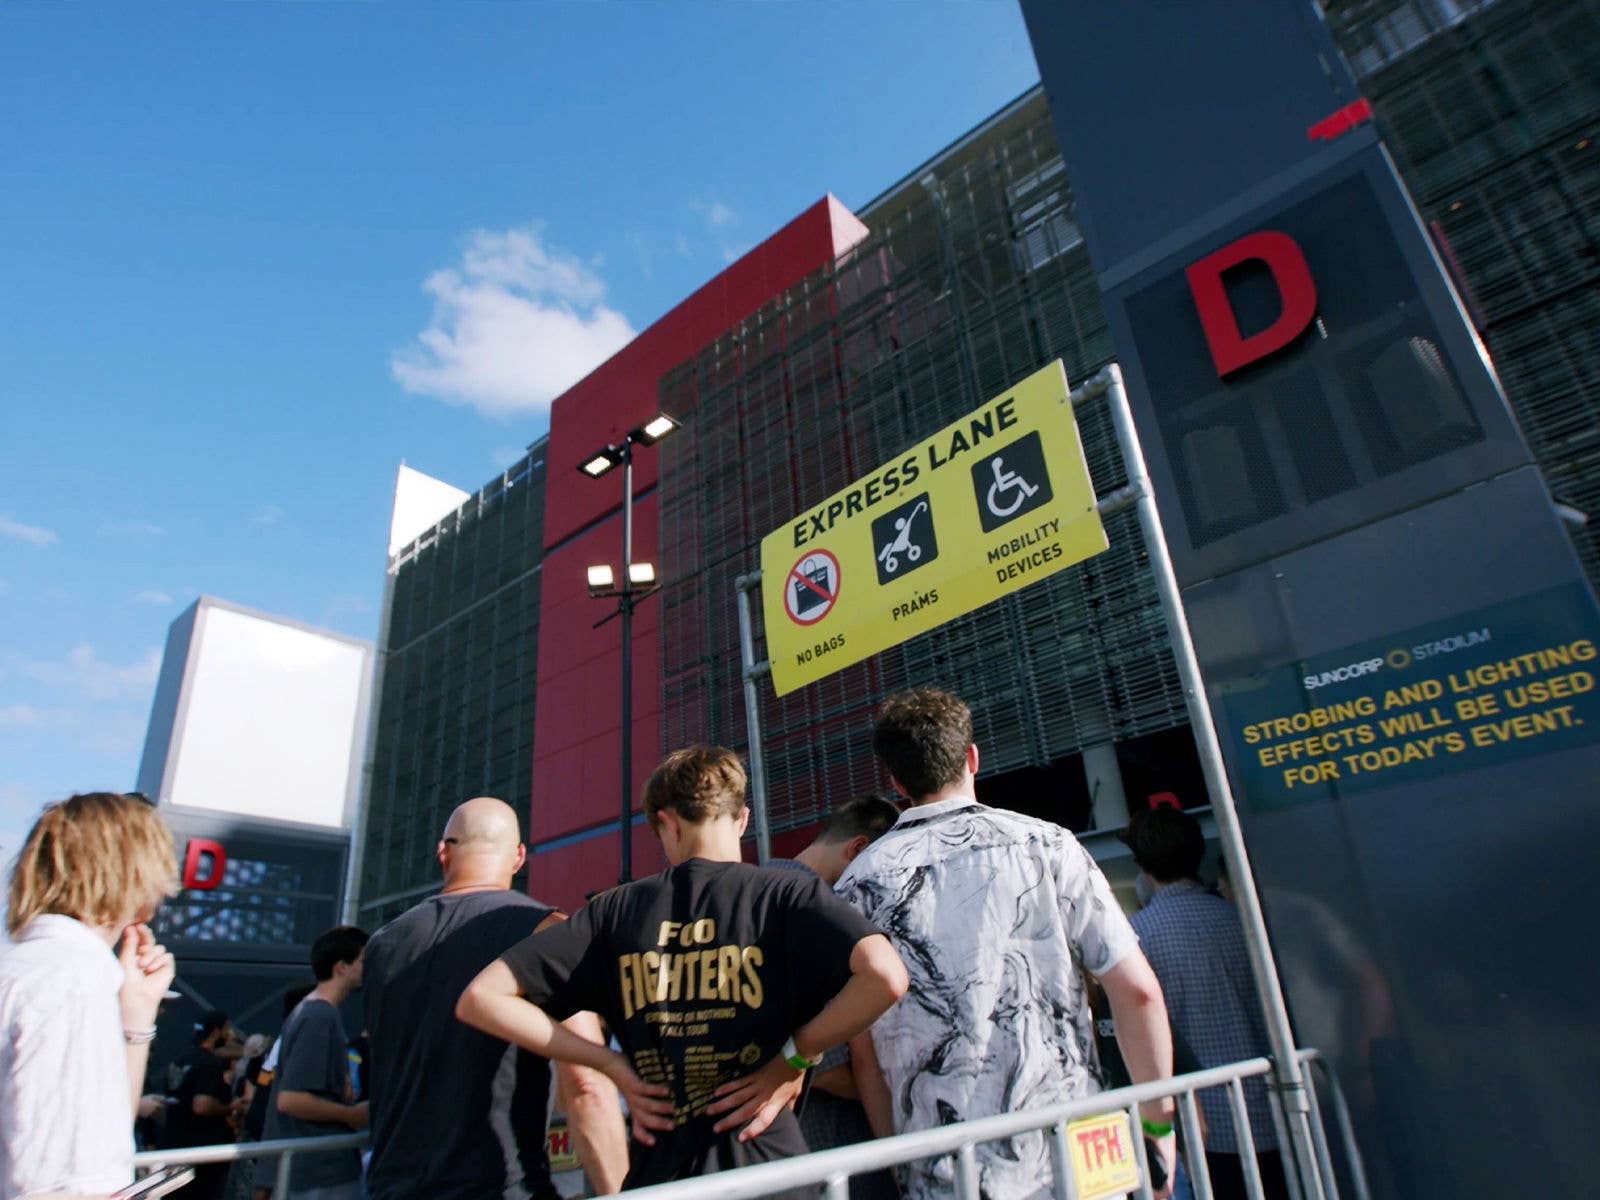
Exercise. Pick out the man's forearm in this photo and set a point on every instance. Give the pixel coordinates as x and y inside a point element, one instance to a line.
<point>870,1083</point>
<point>836,1081</point>
<point>594,1115</point>
<point>493,1004</point>
<point>877,979</point>
<point>208,1106</point>
<point>1143,1035</point>
<point>306,1106</point>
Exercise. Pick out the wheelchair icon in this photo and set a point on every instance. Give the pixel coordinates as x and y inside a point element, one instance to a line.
<point>1007,483</point>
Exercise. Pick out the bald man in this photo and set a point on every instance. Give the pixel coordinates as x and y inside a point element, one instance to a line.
<point>458,1114</point>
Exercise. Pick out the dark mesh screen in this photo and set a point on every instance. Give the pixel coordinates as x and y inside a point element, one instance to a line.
<point>1362,393</point>
<point>958,292</point>
<point>455,713</point>
<point>274,893</point>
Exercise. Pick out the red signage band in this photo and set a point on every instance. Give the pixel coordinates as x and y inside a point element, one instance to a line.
<point>1346,119</point>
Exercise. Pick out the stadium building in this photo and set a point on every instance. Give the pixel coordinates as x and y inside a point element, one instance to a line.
<point>843,338</point>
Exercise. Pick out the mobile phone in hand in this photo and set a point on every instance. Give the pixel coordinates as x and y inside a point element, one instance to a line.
<point>160,1182</point>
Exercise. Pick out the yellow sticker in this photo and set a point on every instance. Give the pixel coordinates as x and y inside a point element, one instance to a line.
<point>1104,1162</point>
<point>989,504</point>
<point>558,1145</point>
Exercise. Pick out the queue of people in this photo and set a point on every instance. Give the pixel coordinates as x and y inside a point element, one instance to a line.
<point>907,970</point>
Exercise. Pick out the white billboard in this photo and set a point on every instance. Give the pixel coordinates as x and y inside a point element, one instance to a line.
<point>258,716</point>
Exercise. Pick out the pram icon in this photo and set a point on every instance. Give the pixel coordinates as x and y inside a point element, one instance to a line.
<point>905,538</point>
<point>889,556</point>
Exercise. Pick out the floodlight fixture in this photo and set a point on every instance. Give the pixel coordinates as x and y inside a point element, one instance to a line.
<point>601,461</point>
<point>638,580</point>
<point>653,430</point>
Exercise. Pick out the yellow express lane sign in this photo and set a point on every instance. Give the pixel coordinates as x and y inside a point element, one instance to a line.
<point>989,504</point>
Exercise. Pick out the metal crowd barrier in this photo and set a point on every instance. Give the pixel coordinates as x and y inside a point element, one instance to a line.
<point>284,1148</point>
<point>832,1169</point>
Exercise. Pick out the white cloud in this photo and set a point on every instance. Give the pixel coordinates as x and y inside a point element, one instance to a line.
<point>32,534</point>
<point>734,253</point>
<point>717,214</point>
<point>27,716</point>
<point>151,596</point>
<point>515,324</point>
<point>120,734</point>
<point>270,515</point>
<point>83,671</point>
<point>130,529</point>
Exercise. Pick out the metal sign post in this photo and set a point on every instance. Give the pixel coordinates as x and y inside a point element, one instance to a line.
<point>749,672</point>
<point>1269,990</point>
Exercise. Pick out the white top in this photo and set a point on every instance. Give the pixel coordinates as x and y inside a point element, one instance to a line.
<point>993,913</point>
<point>66,1123</point>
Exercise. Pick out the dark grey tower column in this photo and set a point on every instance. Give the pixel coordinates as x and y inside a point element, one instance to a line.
<point>1398,646</point>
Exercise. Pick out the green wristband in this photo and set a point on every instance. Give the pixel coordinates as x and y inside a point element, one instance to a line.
<point>1156,1128</point>
<point>795,1059</point>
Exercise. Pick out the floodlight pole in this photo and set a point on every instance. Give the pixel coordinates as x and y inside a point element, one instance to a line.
<point>625,606</point>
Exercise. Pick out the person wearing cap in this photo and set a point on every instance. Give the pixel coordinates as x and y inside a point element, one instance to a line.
<point>198,1103</point>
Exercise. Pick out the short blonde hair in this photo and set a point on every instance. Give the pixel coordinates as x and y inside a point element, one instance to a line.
<point>698,783</point>
<point>94,857</point>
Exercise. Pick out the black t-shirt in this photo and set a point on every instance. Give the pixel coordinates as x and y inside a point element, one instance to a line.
<point>196,1072</point>
<point>454,1111</point>
<point>701,972</point>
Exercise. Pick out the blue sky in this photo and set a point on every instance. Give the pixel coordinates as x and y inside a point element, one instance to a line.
<point>254,256</point>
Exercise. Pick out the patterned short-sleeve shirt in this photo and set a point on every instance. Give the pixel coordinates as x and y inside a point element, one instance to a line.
<point>994,914</point>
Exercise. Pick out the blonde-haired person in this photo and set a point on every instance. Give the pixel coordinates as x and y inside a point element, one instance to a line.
<point>76,1019</point>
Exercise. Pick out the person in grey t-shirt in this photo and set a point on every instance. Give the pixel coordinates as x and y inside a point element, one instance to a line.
<point>311,1091</point>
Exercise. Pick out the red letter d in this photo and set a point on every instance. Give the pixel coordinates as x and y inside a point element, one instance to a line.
<point>1283,258</point>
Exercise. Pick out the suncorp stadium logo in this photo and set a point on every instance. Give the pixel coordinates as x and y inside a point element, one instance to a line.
<point>1398,658</point>
<point>1343,674</point>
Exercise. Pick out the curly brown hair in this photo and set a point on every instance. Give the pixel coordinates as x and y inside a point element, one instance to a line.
<point>922,737</point>
<point>96,857</point>
<point>698,783</point>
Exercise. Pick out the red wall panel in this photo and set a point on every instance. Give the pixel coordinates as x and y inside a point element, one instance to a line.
<point>621,392</point>
<point>577,767</point>
<point>566,874</point>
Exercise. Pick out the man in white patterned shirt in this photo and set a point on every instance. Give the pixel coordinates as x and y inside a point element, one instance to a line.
<point>995,916</point>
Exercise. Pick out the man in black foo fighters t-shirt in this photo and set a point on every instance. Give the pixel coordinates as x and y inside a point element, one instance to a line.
<point>721,981</point>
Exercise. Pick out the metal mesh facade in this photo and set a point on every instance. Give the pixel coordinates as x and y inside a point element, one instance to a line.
<point>972,277</point>
<point>1492,112</point>
<point>455,714</point>
<point>975,275</point>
